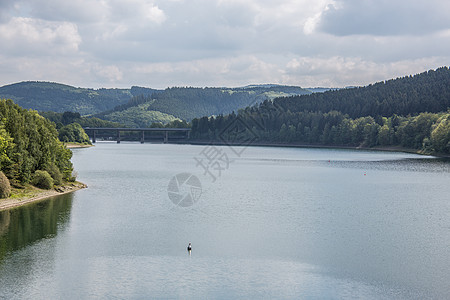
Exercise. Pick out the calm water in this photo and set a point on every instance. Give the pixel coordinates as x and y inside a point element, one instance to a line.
<point>275,223</point>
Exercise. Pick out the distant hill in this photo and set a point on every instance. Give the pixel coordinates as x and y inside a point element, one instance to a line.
<point>188,103</point>
<point>140,106</point>
<point>138,116</point>
<point>47,96</point>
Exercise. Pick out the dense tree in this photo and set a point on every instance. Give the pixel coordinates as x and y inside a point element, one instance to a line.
<point>5,187</point>
<point>68,132</point>
<point>43,180</point>
<point>6,145</point>
<point>73,133</point>
<point>440,136</point>
<point>31,144</point>
<point>66,118</point>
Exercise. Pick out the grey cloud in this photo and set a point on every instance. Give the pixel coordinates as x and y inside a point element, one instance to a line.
<point>5,10</point>
<point>385,17</point>
<point>80,11</point>
<point>192,30</point>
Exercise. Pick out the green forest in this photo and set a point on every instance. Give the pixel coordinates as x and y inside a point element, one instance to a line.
<point>30,150</point>
<point>48,96</point>
<point>410,112</point>
<point>186,103</point>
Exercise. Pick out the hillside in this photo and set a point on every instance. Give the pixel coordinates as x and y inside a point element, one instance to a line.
<point>410,112</point>
<point>188,103</point>
<point>425,92</point>
<point>47,96</point>
<point>139,116</point>
<point>140,106</point>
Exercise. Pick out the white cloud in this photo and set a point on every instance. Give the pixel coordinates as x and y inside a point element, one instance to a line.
<point>158,43</point>
<point>26,36</point>
<point>340,71</point>
<point>134,11</point>
<point>110,72</point>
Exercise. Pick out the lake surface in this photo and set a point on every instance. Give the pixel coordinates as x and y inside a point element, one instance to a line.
<point>266,222</point>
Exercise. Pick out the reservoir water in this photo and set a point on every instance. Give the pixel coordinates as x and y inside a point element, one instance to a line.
<point>264,222</point>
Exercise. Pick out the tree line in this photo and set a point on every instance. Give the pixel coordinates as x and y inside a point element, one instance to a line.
<point>411,112</point>
<point>427,131</point>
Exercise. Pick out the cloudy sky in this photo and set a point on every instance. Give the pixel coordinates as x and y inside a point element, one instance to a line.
<point>162,43</point>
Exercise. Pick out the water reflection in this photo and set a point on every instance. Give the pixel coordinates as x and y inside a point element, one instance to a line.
<point>25,225</point>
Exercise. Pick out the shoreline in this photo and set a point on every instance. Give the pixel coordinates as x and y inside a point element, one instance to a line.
<point>377,148</point>
<point>40,195</point>
<point>281,145</point>
<point>75,146</point>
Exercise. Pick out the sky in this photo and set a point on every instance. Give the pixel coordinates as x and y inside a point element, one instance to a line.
<point>166,43</point>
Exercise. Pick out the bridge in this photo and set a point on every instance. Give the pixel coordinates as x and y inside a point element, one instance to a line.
<point>176,134</point>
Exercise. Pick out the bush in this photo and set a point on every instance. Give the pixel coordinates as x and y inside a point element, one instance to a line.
<point>5,187</point>
<point>73,133</point>
<point>73,177</point>
<point>55,173</point>
<point>42,180</point>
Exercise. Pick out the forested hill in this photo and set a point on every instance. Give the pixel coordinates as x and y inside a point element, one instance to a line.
<point>411,112</point>
<point>140,106</point>
<point>186,103</point>
<point>47,96</point>
<point>425,92</point>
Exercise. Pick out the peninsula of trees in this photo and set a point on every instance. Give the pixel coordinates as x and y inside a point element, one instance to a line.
<point>30,151</point>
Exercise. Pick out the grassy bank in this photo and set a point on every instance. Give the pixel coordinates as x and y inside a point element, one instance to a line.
<point>31,194</point>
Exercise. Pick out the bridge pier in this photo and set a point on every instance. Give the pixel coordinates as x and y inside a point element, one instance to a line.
<point>93,137</point>
<point>166,137</point>
<point>118,136</point>
<point>142,137</point>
